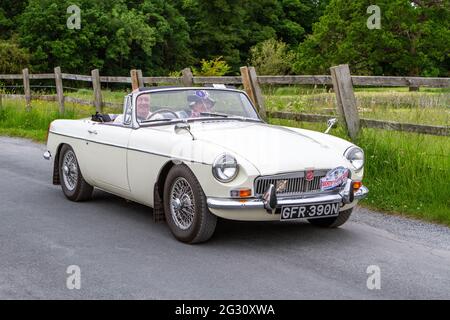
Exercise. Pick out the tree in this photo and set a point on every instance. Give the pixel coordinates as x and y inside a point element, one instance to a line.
<point>12,58</point>
<point>9,11</point>
<point>172,50</point>
<point>217,28</point>
<point>230,28</point>
<point>271,57</point>
<point>212,68</point>
<point>413,40</point>
<point>114,36</point>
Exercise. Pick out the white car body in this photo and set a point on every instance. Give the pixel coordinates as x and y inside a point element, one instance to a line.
<point>130,160</point>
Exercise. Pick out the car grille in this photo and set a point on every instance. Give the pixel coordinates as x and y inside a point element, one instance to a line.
<point>294,183</point>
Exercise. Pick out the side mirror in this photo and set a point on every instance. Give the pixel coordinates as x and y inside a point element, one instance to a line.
<point>183,126</point>
<point>331,123</point>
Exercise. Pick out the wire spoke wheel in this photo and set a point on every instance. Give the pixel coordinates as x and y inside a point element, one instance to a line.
<point>70,170</point>
<point>182,203</point>
<point>185,207</point>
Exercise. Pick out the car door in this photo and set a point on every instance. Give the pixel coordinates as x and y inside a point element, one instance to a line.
<point>106,147</point>
<point>148,151</point>
<point>107,153</point>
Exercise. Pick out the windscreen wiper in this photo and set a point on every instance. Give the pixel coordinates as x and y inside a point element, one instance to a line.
<point>214,114</point>
<point>157,120</point>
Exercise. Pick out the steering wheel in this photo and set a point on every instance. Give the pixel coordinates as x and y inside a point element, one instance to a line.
<point>163,111</point>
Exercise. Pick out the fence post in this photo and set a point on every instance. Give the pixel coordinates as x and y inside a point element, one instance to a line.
<point>188,78</point>
<point>257,92</point>
<point>346,100</point>
<point>140,78</point>
<point>246,82</point>
<point>97,86</point>
<point>59,89</point>
<point>26,87</point>
<point>134,79</point>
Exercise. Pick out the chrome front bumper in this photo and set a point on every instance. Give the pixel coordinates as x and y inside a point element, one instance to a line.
<point>239,204</point>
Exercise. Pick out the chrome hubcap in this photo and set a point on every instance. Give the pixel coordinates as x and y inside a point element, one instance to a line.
<point>182,205</point>
<point>70,170</point>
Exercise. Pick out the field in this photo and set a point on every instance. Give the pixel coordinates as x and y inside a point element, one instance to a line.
<point>393,104</point>
<point>406,173</point>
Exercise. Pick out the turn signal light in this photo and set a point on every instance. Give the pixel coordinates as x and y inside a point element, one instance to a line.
<point>241,193</point>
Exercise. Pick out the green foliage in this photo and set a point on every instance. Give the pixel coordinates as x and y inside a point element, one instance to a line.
<point>175,74</point>
<point>230,28</point>
<point>12,58</point>
<point>159,36</point>
<point>114,36</point>
<point>9,12</point>
<point>212,68</point>
<point>413,40</point>
<point>271,57</point>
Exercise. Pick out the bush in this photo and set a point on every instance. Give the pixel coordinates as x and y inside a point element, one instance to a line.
<point>175,74</point>
<point>212,68</point>
<point>272,57</point>
<point>12,58</point>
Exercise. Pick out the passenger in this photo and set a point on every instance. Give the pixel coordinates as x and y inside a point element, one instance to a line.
<point>199,102</point>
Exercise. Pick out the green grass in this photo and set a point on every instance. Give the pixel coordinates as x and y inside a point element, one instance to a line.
<point>431,107</point>
<point>406,173</point>
<point>107,95</point>
<point>16,121</point>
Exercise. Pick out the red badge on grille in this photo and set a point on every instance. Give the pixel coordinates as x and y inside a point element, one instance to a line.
<point>309,176</point>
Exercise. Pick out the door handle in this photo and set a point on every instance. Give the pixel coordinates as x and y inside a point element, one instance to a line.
<point>92,131</point>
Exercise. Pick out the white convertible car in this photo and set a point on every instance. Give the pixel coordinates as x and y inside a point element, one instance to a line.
<point>195,154</point>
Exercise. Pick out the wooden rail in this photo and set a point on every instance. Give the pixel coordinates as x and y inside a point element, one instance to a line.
<point>367,123</point>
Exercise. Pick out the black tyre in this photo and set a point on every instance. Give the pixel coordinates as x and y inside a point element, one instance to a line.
<point>74,187</point>
<point>185,207</point>
<point>332,222</point>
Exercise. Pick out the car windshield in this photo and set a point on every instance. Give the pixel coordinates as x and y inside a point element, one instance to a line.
<point>164,106</point>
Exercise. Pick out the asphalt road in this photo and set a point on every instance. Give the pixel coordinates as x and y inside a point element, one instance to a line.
<point>123,254</point>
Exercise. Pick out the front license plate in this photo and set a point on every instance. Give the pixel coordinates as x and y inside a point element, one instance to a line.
<point>310,211</point>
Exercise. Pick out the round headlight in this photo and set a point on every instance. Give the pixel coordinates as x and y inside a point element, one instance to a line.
<point>225,168</point>
<point>356,157</point>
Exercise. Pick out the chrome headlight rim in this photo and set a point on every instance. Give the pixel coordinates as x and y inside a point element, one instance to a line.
<point>357,161</point>
<point>222,162</point>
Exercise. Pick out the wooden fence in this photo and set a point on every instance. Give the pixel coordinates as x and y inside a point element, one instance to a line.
<point>340,78</point>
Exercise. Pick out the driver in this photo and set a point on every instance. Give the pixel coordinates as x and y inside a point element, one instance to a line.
<point>200,102</point>
<point>142,109</point>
